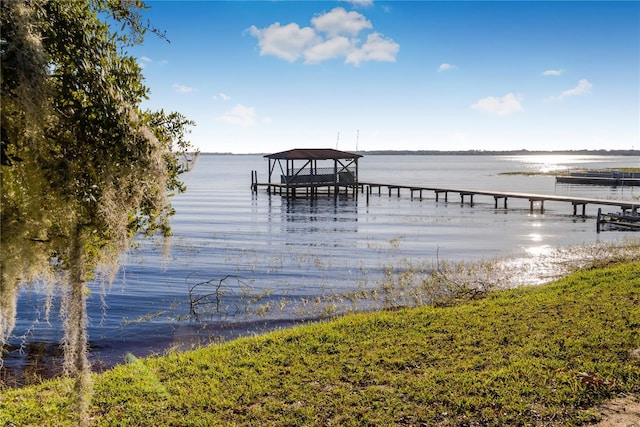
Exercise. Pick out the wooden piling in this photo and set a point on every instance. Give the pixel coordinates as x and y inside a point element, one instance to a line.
<point>495,199</point>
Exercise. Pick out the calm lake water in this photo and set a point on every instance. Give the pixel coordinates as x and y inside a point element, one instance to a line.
<point>255,261</point>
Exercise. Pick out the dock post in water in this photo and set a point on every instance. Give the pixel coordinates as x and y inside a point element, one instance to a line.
<point>465,193</point>
<point>446,193</point>
<point>254,181</point>
<point>532,200</point>
<point>495,198</point>
<point>575,208</point>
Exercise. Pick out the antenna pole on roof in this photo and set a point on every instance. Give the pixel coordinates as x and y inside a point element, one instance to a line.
<point>337,140</point>
<point>357,139</point>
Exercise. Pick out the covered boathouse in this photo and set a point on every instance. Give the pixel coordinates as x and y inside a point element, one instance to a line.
<point>311,170</point>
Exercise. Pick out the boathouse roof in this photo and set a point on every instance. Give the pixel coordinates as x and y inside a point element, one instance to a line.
<point>313,154</point>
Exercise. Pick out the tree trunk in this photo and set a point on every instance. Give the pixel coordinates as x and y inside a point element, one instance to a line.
<point>75,343</point>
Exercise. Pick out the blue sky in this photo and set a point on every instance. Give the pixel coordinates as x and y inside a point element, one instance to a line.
<point>267,76</point>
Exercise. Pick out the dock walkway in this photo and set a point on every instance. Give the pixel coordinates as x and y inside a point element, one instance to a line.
<point>624,205</point>
<point>313,189</point>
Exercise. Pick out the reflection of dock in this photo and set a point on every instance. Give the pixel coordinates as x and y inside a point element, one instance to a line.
<point>499,195</point>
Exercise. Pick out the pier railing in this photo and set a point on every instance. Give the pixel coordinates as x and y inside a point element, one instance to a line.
<point>320,176</point>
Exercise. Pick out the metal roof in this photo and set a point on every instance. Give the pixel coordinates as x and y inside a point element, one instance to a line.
<point>313,154</point>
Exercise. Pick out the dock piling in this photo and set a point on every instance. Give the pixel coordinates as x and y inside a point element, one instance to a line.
<point>254,181</point>
<point>496,197</point>
<point>446,194</point>
<point>532,200</point>
<point>466,193</point>
<point>575,208</point>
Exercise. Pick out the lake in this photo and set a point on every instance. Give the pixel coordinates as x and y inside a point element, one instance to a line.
<point>242,262</point>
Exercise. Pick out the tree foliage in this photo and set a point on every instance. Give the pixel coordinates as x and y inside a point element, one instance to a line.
<point>84,168</point>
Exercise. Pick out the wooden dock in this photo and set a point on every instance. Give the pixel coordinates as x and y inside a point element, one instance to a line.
<point>312,184</point>
<point>533,198</point>
<point>468,195</point>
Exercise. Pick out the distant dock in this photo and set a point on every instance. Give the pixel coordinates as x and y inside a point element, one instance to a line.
<point>606,178</point>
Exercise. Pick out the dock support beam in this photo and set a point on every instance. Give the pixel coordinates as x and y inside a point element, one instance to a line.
<point>416,189</point>
<point>575,208</point>
<point>466,194</point>
<point>254,182</point>
<point>495,198</point>
<point>536,200</point>
<point>442,191</point>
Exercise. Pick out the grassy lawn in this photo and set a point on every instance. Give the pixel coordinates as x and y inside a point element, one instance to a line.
<point>530,356</point>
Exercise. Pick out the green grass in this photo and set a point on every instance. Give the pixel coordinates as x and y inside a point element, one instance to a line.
<point>634,170</point>
<point>530,356</point>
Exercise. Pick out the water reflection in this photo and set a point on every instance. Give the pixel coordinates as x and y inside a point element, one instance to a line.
<point>535,237</point>
<point>546,163</point>
<point>330,216</point>
<point>539,251</point>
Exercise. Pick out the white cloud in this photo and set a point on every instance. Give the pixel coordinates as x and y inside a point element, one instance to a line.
<point>359,3</point>
<point>332,35</point>
<point>446,67</point>
<point>552,72</point>
<point>333,48</point>
<point>339,21</point>
<point>239,115</point>
<point>221,96</point>
<point>143,61</point>
<point>182,89</point>
<point>508,104</point>
<point>583,88</point>
<point>377,48</point>
<point>286,42</point>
